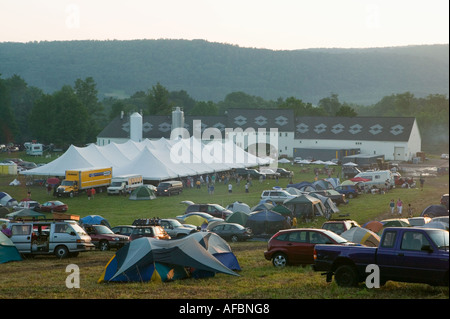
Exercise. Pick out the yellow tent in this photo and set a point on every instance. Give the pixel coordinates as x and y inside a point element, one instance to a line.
<point>195,220</point>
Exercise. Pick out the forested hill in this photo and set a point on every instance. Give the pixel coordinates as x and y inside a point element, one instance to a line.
<point>210,71</point>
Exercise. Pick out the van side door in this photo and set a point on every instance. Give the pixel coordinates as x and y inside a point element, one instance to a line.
<point>21,237</point>
<point>63,233</point>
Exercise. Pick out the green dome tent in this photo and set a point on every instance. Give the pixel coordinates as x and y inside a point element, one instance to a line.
<point>238,218</point>
<point>142,193</point>
<point>8,251</point>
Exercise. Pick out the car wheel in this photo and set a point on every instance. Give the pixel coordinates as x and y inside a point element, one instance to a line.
<point>279,260</point>
<point>234,238</point>
<point>104,245</point>
<point>61,252</point>
<point>346,276</point>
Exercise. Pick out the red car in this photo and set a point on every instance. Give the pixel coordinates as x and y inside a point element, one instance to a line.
<point>296,246</point>
<point>53,206</point>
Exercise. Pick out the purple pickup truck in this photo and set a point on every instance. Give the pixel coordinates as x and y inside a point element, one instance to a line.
<point>406,254</point>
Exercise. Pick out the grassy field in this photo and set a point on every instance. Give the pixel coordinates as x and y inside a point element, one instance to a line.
<point>44,277</point>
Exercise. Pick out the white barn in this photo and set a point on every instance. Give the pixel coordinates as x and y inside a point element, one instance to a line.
<point>397,138</point>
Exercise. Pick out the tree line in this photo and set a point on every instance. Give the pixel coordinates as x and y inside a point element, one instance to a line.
<point>75,115</point>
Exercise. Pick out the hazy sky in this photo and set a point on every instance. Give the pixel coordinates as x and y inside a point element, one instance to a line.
<point>277,24</point>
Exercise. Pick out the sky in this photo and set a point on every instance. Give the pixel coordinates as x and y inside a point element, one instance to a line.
<point>269,24</point>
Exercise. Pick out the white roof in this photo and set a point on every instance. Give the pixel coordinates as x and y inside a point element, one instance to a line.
<point>154,160</point>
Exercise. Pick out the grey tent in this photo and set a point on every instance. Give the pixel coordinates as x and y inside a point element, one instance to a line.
<point>305,206</point>
<point>146,259</point>
<point>330,206</point>
<point>142,193</point>
<point>239,207</point>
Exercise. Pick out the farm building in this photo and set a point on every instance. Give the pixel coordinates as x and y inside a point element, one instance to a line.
<point>395,138</point>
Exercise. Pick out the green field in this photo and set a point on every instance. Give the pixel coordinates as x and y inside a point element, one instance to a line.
<point>44,277</point>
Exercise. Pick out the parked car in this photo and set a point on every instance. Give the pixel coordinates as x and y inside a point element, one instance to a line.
<point>296,246</point>
<point>419,221</point>
<point>168,188</point>
<point>149,231</point>
<point>123,229</point>
<point>30,204</point>
<point>284,172</point>
<point>276,196</point>
<point>270,173</point>
<point>104,238</point>
<point>233,232</point>
<point>53,206</point>
<point>244,172</point>
<point>339,226</point>
<point>175,229</point>
<point>208,217</point>
<point>214,210</point>
<point>445,156</point>
<point>349,191</point>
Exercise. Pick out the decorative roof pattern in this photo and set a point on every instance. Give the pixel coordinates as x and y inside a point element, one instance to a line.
<point>354,128</point>
<point>308,127</point>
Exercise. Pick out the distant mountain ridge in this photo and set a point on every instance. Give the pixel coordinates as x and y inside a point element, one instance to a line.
<point>210,71</point>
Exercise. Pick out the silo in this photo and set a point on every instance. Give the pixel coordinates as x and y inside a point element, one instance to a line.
<point>177,118</point>
<point>136,127</point>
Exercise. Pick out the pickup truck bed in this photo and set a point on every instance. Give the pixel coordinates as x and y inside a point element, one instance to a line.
<point>406,254</point>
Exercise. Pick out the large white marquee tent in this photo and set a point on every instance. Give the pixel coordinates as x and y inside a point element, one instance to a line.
<point>155,160</point>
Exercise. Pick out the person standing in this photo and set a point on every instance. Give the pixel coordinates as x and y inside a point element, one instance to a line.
<point>230,188</point>
<point>399,206</point>
<point>422,181</point>
<point>392,206</point>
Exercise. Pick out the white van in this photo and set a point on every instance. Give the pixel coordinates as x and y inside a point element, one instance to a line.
<point>378,179</point>
<point>61,238</point>
<point>124,184</point>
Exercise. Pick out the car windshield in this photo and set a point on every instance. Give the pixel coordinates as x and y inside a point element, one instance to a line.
<point>78,230</point>
<point>336,237</point>
<point>67,183</point>
<point>440,238</point>
<point>103,230</point>
<point>176,223</point>
<point>218,207</point>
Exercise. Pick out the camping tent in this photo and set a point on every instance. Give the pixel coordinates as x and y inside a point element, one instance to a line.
<point>266,222</point>
<point>23,213</point>
<point>8,251</point>
<point>146,259</point>
<point>305,205</point>
<point>238,218</point>
<point>219,248</point>
<point>396,222</point>
<point>142,193</point>
<point>6,200</point>
<point>239,207</point>
<point>330,206</point>
<point>94,220</point>
<point>359,235</point>
<point>374,226</point>
<point>434,211</point>
<point>283,210</point>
